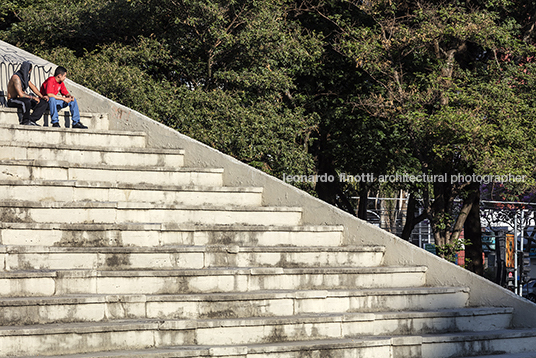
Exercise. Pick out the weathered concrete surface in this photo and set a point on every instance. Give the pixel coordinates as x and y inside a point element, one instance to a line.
<point>75,190</point>
<point>232,331</point>
<point>95,308</point>
<point>115,156</point>
<point>96,175</point>
<point>159,234</point>
<point>63,136</point>
<point>19,258</point>
<point>184,281</point>
<point>125,212</point>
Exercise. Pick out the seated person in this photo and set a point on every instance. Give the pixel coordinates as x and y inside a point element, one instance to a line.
<point>60,98</point>
<point>18,98</point>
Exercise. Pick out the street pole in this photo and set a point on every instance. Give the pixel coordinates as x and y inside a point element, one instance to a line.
<point>522,244</point>
<point>516,290</point>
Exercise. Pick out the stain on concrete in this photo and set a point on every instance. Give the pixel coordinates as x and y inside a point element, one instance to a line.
<point>117,260</point>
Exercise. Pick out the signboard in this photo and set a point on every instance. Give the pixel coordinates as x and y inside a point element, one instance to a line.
<point>510,251</point>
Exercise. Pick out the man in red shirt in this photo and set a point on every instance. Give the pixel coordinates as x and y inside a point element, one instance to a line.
<point>60,98</point>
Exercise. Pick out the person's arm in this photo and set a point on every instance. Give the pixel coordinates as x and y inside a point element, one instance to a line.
<point>62,98</point>
<point>65,93</point>
<point>36,91</point>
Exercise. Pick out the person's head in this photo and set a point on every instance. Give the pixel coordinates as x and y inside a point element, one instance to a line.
<point>60,74</point>
<point>26,67</point>
<point>24,74</point>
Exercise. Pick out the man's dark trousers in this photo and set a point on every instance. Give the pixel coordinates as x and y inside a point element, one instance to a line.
<point>26,105</point>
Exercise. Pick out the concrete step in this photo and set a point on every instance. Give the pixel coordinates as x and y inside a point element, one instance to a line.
<point>70,137</point>
<point>465,344</point>
<point>92,120</point>
<point>94,308</point>
<point>47,338</point>
<point>363,347</point>
<point>375,300</point>
<point>74,156</point>
<point>16,258</point>
<point>326,326</point>
<point>76,190</point>
<point>123,212</point>
<point>49,283</point>
<point>509,355</point>
<point>340,348</point>
<point>125,234</point>
<point>172,335</point>
<point>48,171</point>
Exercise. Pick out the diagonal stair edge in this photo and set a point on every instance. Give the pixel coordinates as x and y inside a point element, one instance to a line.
<point>315,211</point>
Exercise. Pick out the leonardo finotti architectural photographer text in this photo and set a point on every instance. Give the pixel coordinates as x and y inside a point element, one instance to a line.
<point>405,178</point>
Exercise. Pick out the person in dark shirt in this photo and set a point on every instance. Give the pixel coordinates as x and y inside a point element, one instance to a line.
<point>18,98</point>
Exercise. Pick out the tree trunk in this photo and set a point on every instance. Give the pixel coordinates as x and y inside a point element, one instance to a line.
<point>411,220</point>
<point>330,191</point>
<point>438,213</point>
<point>473,233</point>
<point>363,202</point>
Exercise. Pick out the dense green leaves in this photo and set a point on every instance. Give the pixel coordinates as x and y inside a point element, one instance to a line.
<point>446,78</point>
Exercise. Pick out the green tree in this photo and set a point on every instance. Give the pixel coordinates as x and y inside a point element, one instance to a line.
<point>434,74</point>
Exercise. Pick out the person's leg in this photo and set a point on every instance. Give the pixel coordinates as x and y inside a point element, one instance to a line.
<point>38,109</point>
<point>24,104</point>
<point>73,107</point>
<point>54,106</point>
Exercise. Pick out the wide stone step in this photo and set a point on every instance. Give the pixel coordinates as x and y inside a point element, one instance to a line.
<point>325,326</point>
<point>341,348</point>
<point>49,283</point>
<point>94,308</point>
<point>366,347</point>
<point>70,137</point>
<point>509,355</point>
<point>175,336</point>
<point>189,195</point>
<point>54,234</point>
<point>121,212</point>
<point>92,120</point>
<point>245,331</point>
<point>45,172</point>
<point>469,344</point>
<point>16,258</point>
<point>375,300</point>
<point>116,156</point>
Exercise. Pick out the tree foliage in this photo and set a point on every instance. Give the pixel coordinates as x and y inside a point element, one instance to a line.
<point>435,72</point>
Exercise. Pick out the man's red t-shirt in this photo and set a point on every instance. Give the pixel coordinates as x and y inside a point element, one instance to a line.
<point>52,86</point>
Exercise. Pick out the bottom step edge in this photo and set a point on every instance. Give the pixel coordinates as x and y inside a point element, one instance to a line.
<point>342,348</point>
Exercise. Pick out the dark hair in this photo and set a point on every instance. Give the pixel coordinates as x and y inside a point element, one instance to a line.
<point>60,71</point>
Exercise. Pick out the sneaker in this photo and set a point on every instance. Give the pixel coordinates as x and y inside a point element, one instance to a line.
<point>79,125</point>
<point>57,125</point>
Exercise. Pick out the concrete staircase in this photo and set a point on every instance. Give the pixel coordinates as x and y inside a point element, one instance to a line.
<point>110,248</point>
